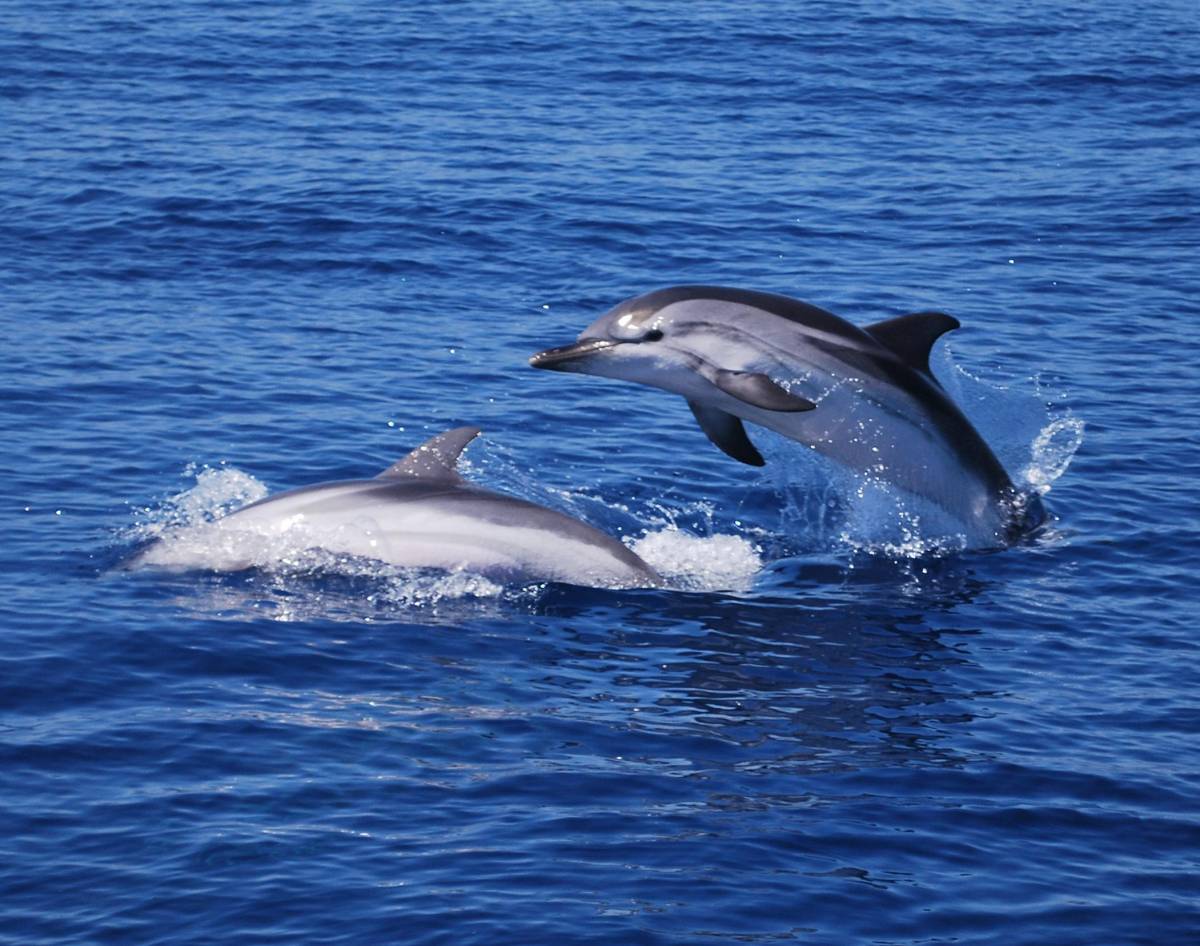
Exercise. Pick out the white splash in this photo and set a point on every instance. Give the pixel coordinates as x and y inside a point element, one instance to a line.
<point>700,563</point>
<point>190,535</point>
<point>1051,453</point>
<point>217,492</point>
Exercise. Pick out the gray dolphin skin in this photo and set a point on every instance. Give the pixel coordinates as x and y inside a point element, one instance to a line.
<point>864,397</point>
<point>419,513</point>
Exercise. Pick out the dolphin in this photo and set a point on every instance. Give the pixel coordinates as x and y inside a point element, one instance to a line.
<point>864,397</point>
<point>417,513</point>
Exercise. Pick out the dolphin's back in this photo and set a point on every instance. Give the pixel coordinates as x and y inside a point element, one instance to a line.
<point>792,310</point>
<point>444,525</point>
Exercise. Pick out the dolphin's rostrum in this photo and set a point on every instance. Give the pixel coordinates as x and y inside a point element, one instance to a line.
<point>418,513</point>
<point>862,396</point>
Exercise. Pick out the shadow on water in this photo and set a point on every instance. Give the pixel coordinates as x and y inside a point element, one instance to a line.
<point>861,672</point>
<point>829,665</point>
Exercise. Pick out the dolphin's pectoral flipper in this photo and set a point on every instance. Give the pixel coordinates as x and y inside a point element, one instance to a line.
<point>756,389</point>
<point>727,432</point>
<point>436,458</point>
<point>910,337</point>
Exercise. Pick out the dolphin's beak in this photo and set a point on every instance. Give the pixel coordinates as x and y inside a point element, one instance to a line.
<point>564,359</point>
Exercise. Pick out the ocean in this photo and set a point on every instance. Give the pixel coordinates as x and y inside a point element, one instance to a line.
<point>247,246</point>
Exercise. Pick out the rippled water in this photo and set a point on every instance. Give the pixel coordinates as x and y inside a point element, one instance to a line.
<point>245,247</point>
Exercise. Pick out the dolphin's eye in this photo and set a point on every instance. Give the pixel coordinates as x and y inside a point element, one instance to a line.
<point>654,335</point>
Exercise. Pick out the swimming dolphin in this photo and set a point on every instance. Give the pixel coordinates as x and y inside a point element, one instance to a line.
<point>862,396</point>
<point>418,513</point>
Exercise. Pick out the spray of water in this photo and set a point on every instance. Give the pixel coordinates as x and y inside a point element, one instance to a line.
<point>1051,453</point>
<point>216,492</point>
<point>683,545</point>
<point>826,508</point>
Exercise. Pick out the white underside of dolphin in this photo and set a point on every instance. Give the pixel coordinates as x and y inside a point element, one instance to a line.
<point>863,397</point>
<point>419,513</point>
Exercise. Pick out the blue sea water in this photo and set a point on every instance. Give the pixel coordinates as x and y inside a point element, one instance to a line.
<point>248,246</point>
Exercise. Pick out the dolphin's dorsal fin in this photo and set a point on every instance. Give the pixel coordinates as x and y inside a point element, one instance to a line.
<point>435,459</point>
<point>910,337</point>
<point>727,432</point>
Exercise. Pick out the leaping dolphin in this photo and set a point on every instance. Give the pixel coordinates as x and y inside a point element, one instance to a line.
<point>862,396</point>
<point>419,513</point>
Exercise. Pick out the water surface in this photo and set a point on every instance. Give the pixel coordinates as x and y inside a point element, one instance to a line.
<point>251,246</point>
